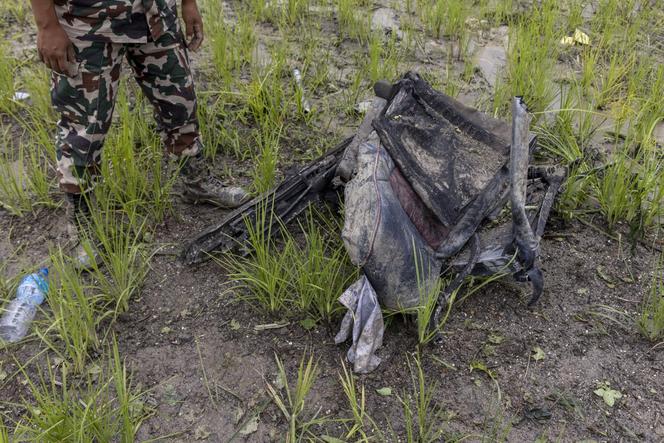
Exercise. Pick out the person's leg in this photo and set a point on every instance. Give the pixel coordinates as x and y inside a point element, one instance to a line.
<point>84,100</point>
<point>163,72</point>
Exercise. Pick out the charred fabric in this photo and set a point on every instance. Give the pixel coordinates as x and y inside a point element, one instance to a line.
<point>430,187</point>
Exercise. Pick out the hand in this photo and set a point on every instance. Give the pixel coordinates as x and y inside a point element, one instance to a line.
<point>55,49</point>
<point>193,23</point>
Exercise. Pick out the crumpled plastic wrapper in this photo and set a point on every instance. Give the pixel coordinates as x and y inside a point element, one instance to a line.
<point>364,321</point>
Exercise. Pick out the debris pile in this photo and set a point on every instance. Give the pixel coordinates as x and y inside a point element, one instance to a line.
<point>430,186</point>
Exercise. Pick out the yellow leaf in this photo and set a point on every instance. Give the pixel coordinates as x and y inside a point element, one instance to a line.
<point>581,37</point>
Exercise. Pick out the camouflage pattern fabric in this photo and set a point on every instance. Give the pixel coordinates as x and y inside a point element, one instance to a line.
<point>118,21</point>
<point>85,99</point>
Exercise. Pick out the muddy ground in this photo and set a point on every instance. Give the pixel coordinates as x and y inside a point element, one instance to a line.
<point>193,346</point>
<point>185,320</point>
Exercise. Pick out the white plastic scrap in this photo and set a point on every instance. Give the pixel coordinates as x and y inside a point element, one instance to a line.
<point>20,96</point>
<point>364,320</point>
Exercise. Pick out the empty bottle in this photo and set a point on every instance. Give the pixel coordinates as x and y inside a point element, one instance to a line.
<point>21,311</point>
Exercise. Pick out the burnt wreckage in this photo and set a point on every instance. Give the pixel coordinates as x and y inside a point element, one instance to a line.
<point>430,186</point>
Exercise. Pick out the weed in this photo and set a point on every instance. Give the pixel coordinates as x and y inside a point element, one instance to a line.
<point>423,417</point>
<point>533,49</point>
<point>7,80</point>
<point>291,278</point>
<point>263,273</point>
<point>353,22</point>
<point>651,319</point>
<point>74,314</point>
<point>122,262</point>
<point>292,404</point>
<point>103,407</point>
<point>4,435</point>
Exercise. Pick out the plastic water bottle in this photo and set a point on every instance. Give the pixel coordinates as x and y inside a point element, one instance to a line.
<point>31,293</point>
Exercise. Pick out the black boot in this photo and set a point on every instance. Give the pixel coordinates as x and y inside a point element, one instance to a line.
<point>200,186</point>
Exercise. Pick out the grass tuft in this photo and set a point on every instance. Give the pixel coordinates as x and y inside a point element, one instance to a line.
<point>651,320</point>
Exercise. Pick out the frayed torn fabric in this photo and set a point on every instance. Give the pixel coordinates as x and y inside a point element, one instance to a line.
<point>364,322</point>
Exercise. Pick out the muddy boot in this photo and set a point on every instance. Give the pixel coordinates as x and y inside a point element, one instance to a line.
<point>78,230</point>
<point>199,186</point>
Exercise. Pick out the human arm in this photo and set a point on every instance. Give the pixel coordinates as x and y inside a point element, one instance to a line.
<point>53,45</point>
<point>193,23</point>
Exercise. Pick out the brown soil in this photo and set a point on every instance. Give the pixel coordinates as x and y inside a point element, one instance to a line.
<point>181,324</point>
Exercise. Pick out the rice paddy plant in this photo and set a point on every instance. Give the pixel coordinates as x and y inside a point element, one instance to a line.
<point>569,134</point>
<point>37,83</point>
<point>426,330</point>
<point>72,332</point>
<point>362,428</point>
<point>291,12</point>
<point>423,417</point>
<point>264,173</point>
<point>4,435</point>
<point>291,399</point>
<point>15,11</point>
<point>24,180</point>
<point>15,196</point>
<point>629,188</point>
<point>447,18</point>
<point>504,11</point>
<point>8,67</point>
<point>611,81</point>
<point>356,401</point>
<point>262,274</point>
<point>266,101</point>
<point>231,45</point>
<point>103,406</point>
<point>650,322</point>
<point>384,56</point>
<point>354,23</point>
<point>132,171</point>
<point>319,272</point>
<point>123,258</point>
<point>533,49</point>
<point>290,278</point>
<point>575,14</point>
<point>216,131</point>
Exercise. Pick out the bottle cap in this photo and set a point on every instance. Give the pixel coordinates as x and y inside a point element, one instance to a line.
<point>44,271</point>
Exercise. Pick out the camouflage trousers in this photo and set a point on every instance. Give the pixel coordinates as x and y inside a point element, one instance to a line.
<point>85,98</point>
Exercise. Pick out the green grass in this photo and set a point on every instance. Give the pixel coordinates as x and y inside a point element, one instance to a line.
<point>124,257</point>
<point>71,330</point>
<point>290,278</point>
<point>291,399</point>
<point>8,67</point>
<point>101,406</point>
<point>651,319</point>
<point>531,56</point>
<point>132,170</point>
<point>423,416</point>
<point>356,399</point>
